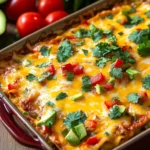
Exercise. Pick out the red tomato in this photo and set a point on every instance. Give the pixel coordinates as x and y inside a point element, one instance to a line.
<point>92,140</point>
<point>97,79</point>
<point>66,68</point>
<point>29,22</point>
<point>51,69</point>
<point>11,86</point>
<point>77,69</point>
<point>92,124</point>
<point>143,96</point>
<point>14,8</point>
<point>108,104</point>
<point>47,6</point>
<point>118,63</point>
<point>54,16</point>
<point>116,102</point>
<point>108,86</point>
<point>47,129</point>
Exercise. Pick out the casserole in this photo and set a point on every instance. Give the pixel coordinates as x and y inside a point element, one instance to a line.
<point>120,111</point>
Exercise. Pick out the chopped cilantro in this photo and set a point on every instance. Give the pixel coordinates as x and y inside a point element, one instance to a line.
<point>96,33</point>
<point>127,12</point>
<point>43,76</point>
<point>85,52</point>
<point>75,118</point>
<point>61,96</point>
<point>82,33</point>
<point>107,133</point>
<point>51,77</point>
<point>116,111</point>
<point>102,62</point>
<point>110,16</point>
<point>70,76</point>
<point>25,91</point>
<point>64,51</point>
<point>42,65</point>
<point>146,82</point>
<point>144,49</point>
<point>133,21</point>
<point>116,73</point>
<point>133,97</point>
<point>80,43</point>
<point>120,33</point>
<point>31,77</point>
<point>110,37</point>
<point>86,84</point>
<point>50,103</point>
<point>45,51</point>
<point>148,14</point>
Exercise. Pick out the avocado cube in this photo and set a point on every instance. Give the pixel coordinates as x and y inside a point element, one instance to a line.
<point>99,89</point>
<point>77,96</point>
<point>80,131</point>
<point>72,138</point>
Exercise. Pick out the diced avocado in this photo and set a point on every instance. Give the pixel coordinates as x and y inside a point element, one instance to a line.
<point>65,132</point>
<point>99,89</point>
<point>2,22</point>
<point>77,96</point>
<point>122,109</point>
<point>26,63</point>
<point>112,80</point>
<point>72,138</point>
<point>48,118</point>
<point>80,131</point>
<point>132,73</point>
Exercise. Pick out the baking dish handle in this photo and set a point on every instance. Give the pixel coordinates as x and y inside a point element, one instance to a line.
<point>15,130</point>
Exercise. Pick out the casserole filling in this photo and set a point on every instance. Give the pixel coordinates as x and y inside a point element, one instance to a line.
<point>88,88</point>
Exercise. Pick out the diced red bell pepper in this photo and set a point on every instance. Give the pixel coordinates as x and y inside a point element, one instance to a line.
<point>51,69</point>
<point>92,124</point>
<point>109,86</point>
<point>118,63</point>
<point>77,69</point>
<point>108,104</point>
<point>12,86</point>
<point>47,129</point>
<point>92,140</point>
<point>97,79</point>
<point>85,22</point>
<point>143,96</point>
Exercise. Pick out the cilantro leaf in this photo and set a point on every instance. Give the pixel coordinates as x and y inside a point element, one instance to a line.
<point>61,96</point>
<point>64,51</point>
<point>86,84</point>
<point>144,49</point>
<point>42,65</point>
<point>31,77</point>
<point>80,43</point>
<point>43,76</point>
<point>127,12</point>
<point>110,16</point>
<point>50,103</point>
<point>45,51</point>
<point>148,14</point>
<point>146,82</point>
<point>120,33</point>
<point>82,33</point>
<point>70,76</point>
<point>85,52</point>
<point>75,118</point>
<point>116,73</point>
<point>116,111</point>
<point>102,62</point>
<point>133,97</point>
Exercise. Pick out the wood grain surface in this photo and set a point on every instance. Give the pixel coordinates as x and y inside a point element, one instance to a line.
<point>7,142</point>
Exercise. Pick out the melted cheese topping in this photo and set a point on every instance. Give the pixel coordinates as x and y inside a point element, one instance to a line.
<point>92,104</point>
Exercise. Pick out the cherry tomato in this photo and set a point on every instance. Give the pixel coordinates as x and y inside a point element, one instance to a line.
<point>108,104</point>
<point>92,140</point>
<point>29,22</point>
<point>14,8</point>
<point>54,16</point>
<point>92,124</point>
<point>118,63</point>
<point>47,6</point>
<point>143,96</point>
<point>12,86</point>
<point>77,69</point>
<point>97,79</point>
<point>66,68</point>
<point>51,69</point>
